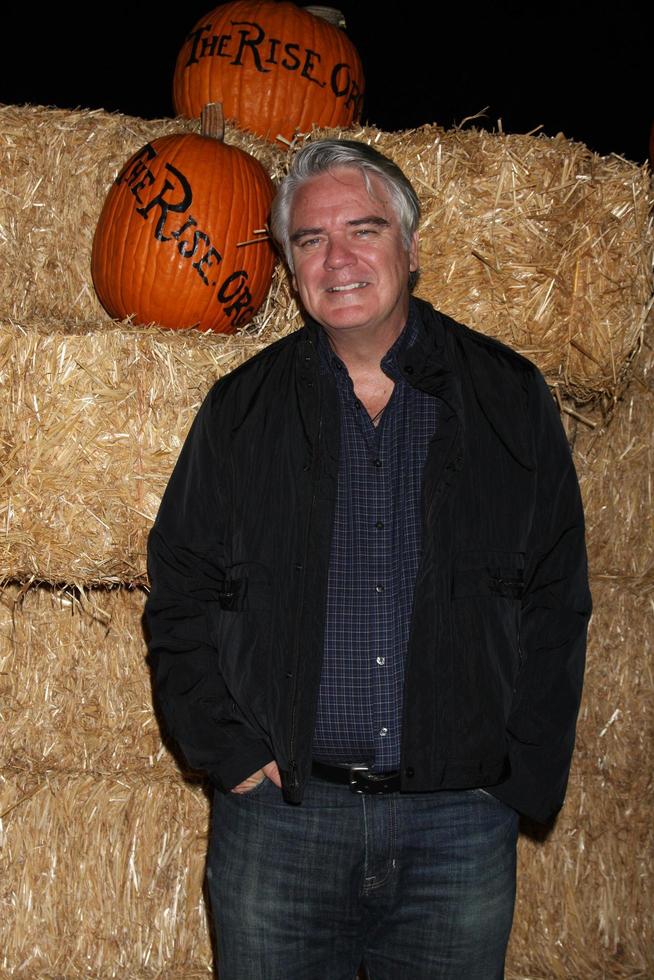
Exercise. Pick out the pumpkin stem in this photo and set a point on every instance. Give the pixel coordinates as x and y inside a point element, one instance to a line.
<point>330,14</point>
<point>212,121</point>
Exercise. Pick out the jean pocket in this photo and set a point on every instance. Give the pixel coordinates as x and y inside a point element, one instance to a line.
<point>485,794</point>
<point>248,794</point>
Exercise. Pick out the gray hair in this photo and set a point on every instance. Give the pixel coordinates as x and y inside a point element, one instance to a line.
<point>326,155</point>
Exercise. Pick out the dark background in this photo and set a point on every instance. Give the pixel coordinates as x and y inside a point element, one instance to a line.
<point>568,68</point>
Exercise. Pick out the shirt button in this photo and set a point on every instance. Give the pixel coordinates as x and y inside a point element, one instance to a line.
<point>409,772</point>
<point>381,661</point>
<point>379,525</point>
<point>376,462</point>
<point>379,588</point>
<point>383,731</point>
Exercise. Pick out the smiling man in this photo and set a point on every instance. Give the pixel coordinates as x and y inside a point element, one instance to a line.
<point>369,608</point>
<point>351,264</point>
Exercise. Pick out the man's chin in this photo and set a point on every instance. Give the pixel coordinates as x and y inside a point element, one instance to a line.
<point>344,321</point>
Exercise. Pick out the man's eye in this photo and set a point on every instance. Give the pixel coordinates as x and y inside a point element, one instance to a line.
<point>308,242</point>
<point>364,232</point>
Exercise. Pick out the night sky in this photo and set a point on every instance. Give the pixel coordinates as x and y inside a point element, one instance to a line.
<point>562,67</point>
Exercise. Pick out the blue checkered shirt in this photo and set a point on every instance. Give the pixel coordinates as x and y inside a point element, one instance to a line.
<point>374,560</point>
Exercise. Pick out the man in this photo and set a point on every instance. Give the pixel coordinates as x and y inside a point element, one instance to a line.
<point>368,610</point>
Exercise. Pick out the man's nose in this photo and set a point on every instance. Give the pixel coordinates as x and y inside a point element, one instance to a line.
<point>339,254</point>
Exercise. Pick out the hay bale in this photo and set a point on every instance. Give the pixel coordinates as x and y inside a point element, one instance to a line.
<point>615,466</point>
<point>585,893</point>
<point>76,692</point>
<point>102,841</point>
<point>91,424</point>
<point>535,240</point>
<point>102,877</point>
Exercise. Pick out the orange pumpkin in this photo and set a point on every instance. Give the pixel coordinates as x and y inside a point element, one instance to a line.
<point>275,67</point>
<point>181,240</point>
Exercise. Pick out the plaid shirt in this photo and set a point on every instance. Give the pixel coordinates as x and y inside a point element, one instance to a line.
<point>373,565</point>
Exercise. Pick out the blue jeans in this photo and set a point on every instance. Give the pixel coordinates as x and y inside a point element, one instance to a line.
<point>412,885</point>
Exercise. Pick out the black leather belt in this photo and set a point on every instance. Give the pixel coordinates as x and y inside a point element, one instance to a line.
<point>359,778</point>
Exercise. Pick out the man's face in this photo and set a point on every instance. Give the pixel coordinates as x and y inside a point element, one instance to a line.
<point>351,265</point>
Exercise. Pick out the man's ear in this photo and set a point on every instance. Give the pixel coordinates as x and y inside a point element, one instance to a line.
<point>414,253</point>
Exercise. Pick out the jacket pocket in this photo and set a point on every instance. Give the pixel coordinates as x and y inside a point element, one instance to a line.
<point>245,587</point>
<point>486,660</point>
<point>240,631</point>
<point>488,573</point>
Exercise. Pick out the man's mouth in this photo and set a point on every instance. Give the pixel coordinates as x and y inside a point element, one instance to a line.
<point>347,288</point>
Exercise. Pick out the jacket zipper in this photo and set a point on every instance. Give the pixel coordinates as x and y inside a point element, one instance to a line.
<point>294,781</point>
<point>521,656</point>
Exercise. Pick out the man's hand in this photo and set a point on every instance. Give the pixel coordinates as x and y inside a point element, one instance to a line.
<point>269,771</point>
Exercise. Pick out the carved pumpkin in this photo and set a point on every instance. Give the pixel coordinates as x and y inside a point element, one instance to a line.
<point>181,240</point>
<point>275,67</point>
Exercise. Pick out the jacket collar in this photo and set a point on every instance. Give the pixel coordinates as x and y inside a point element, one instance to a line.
<point>440,361</point>
<point>427,363</point>
<point>452,358</point>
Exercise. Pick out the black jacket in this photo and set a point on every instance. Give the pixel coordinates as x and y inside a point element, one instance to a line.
<point>239,553</point>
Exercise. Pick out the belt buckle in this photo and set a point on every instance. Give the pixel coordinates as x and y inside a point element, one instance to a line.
<point>362,780</point>
<point>358,783</point>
